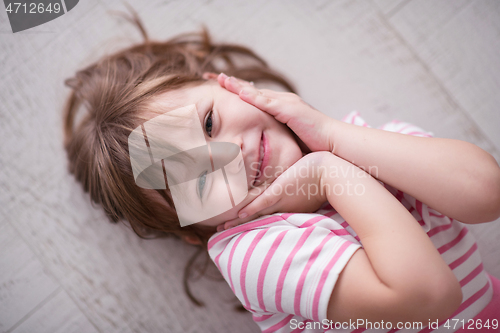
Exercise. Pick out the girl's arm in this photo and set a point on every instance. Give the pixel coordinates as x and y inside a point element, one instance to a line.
<point>454,177</point>
<point>399,275</point>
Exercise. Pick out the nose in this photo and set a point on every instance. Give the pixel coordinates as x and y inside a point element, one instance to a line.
<point>236,137</point>
<point>227,155</point>
<point>236,165</point>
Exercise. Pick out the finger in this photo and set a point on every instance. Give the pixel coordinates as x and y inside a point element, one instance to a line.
<point>244,83</point>
<point>272,195</point>
<point>256,191</point>
<point>230,83</point>
<point>253,193</point>
<point>222,79</point>
<point>232,224</point>
<point>235,85</point>
<point>261,99</point>
<point>262,202</point>
<point>274,103</point>
<point>209,76</point>
<point>237,221</point>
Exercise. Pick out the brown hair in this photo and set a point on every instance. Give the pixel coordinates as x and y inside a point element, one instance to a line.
<point>107,102</point>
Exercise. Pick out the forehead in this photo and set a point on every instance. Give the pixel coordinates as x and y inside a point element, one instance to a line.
<point>197,94</point>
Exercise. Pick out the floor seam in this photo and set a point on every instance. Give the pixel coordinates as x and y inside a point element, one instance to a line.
<point>437,80</point>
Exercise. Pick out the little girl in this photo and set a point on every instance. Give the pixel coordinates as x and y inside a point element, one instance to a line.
<point>374,255</point>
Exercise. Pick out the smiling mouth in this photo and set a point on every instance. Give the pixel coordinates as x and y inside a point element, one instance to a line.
<point>262,158</point>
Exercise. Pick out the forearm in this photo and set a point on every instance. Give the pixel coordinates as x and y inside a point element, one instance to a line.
<point>454,177</point>
<point>401,254</point>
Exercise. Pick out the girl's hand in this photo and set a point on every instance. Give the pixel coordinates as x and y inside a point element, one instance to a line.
<point>290,192</point>
<point>310,125</point>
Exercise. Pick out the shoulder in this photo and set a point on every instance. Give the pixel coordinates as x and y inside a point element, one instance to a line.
<point>325,221</point>
<point>284,263</point>
<point>395,125</point>
<point>219,241</point>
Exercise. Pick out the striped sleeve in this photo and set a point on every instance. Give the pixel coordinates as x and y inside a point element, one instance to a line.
<point>284,267</point>
<point>458,249</point>
<point>393,126</point>
<point>451,238</point>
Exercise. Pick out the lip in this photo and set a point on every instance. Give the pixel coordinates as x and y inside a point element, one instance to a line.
<point>264,159</point>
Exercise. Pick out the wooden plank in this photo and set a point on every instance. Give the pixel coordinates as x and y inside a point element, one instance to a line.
<point>58,315</point>
<point>122,282</point>
<point>343,55</point>
<point>23,282</point>
<point>389,7</point>
<point>458,40</point>
<point>350,58</point>
<point>420,20</point>
<point>118,285</point>
<point>488,237</point>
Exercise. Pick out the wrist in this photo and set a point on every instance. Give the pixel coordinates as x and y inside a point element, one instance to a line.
<point>334,127</point>
<point>328,168</point>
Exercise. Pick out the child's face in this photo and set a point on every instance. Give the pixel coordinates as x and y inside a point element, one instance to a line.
<point>268,147</point>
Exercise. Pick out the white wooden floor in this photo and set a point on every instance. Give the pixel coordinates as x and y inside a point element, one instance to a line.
<point>63,268</point>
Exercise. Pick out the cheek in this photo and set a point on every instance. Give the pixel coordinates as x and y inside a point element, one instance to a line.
<point>289,144</point>
<point>292,155</point>
<point>218,202</point>
<point>251,117</point>
<point>285,150</point>
<point>238,111</point>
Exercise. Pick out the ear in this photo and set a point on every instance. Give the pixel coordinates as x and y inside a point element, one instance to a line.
<point>191,240</point>
<point>210,76</point>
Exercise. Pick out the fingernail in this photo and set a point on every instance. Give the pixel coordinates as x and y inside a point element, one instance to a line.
<point>242,215</point>
<point>222,75</point>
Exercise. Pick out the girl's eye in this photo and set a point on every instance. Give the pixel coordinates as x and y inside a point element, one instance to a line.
<point>201,184</point>
<point>208,124</point>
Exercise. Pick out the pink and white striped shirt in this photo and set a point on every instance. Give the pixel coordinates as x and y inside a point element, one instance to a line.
<point>283,267</point>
